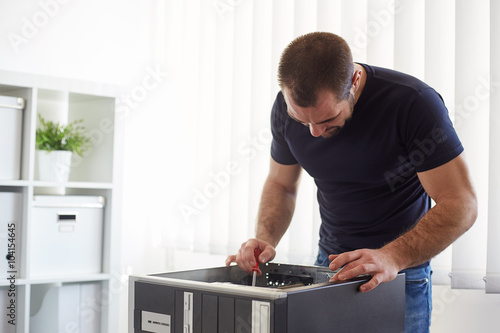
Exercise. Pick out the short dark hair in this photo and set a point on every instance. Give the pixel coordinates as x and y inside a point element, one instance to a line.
<point>313,62</point>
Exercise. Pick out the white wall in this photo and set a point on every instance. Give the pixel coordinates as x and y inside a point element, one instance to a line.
<point>92,40</point>
<point>109,41</point>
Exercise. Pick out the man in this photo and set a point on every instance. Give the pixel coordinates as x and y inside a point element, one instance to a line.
<point>379,145</point>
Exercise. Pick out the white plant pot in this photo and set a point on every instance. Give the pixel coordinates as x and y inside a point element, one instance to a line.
<point>54,166</point>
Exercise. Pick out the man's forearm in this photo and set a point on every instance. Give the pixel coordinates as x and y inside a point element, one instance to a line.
<point>275,212</point>
<point>437,229</point>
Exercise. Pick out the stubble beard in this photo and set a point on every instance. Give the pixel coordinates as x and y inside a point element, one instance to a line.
<point>334,130</point>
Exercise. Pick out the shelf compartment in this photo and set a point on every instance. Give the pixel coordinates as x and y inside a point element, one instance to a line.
<point>27,138</point>
<point>97,113</point>
<point>72,307</point>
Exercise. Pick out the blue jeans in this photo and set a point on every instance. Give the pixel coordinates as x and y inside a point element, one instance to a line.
<point>418,295</point>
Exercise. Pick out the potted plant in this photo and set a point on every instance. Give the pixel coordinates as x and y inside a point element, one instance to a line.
<point>55,144</point>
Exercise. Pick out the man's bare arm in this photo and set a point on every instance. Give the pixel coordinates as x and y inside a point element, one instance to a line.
<point>277,202</point>
<point>454,213</point>
<point>275,213</point>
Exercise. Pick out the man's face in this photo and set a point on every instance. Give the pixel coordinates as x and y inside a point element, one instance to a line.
<point>324,119</point>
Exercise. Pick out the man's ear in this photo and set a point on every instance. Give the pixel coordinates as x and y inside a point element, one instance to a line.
<point>356,81</point>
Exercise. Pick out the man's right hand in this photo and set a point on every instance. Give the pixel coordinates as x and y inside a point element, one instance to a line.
<point>245,256</point>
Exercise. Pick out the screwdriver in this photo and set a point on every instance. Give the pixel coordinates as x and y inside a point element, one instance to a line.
<point>255,269</point>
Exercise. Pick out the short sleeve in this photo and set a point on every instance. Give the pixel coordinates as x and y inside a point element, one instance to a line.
<point>430,138</point>
<point>280,151</point>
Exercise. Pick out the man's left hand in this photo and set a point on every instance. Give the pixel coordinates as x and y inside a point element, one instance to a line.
<point>377,263</point>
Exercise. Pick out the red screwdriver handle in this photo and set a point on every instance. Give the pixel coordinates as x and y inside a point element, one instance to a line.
<point>256,254</point>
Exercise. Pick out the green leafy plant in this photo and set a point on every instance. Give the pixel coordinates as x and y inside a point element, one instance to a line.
<point>54,136</point>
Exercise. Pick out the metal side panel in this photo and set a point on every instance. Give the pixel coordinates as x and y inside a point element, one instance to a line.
<point>343,308</point>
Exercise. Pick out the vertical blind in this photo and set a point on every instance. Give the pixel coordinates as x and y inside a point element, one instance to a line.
<point>223,55</point>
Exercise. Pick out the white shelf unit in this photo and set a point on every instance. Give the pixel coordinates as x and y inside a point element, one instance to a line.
<point>98,173</point>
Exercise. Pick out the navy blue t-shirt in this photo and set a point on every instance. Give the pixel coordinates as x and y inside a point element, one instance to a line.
<point>366,175</point>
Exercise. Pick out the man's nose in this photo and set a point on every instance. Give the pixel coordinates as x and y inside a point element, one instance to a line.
<point>316,130</point>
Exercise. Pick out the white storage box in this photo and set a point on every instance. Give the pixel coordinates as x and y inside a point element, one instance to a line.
<point>11,121</point>
<point>66,235</point>
<point>10,233</point>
